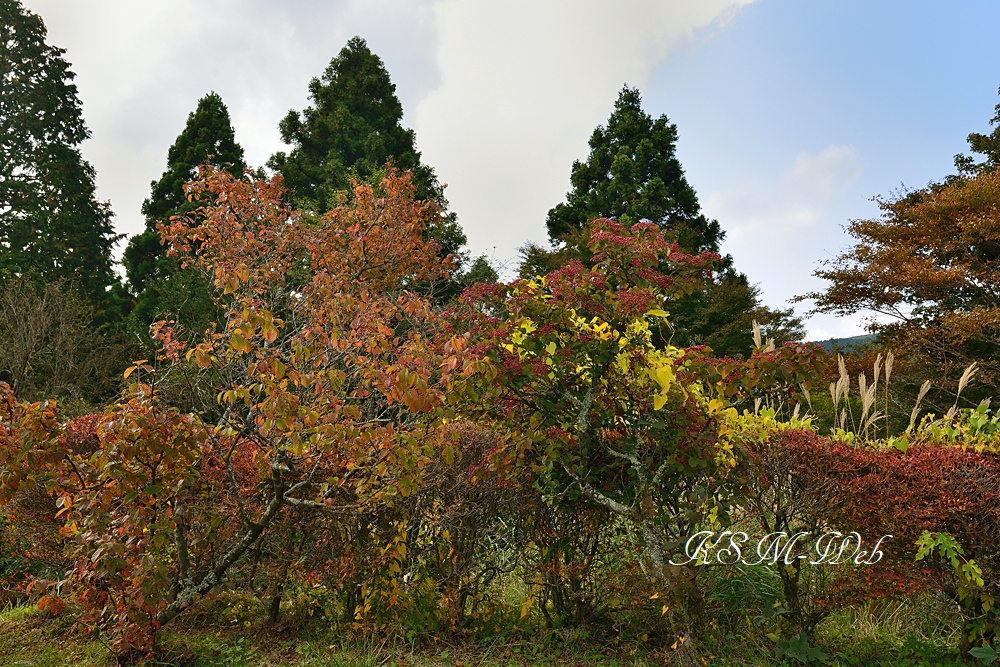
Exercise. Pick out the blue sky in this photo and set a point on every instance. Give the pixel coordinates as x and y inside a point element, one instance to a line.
<point>893,87</point>
<point>791,114</point>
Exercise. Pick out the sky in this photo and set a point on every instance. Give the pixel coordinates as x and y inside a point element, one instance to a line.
<point>792,114</point>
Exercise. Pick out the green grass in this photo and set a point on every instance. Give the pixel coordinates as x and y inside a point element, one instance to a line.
<point>27,637</point>
<point>30,638</point>
<point>879,634</point>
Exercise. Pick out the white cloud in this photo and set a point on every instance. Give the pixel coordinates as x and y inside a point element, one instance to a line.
<point>142,66</point>
<point>523,85</point>
<point>505,94</point>
<point>777,227</point>
<point>797,198</point>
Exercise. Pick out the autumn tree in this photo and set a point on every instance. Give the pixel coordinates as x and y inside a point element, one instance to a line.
<point>330,387</point>
<point>160,286</point>
<point>987,145</point>
<point>633,175</point>
<point>600,412</point>
<point>52,225</point>
<point>929,265</point>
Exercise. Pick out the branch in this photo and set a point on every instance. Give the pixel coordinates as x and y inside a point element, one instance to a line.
<point>597,496</point>
<point>585,405</point>
<point>312,504</point>
<point>180,542</point>
<point>235,486</point>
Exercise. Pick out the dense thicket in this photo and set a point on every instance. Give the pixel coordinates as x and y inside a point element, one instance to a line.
<point>347,446</point>
<point>549,458</point>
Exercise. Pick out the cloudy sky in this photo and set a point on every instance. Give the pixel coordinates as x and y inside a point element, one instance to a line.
<point>792,114</point>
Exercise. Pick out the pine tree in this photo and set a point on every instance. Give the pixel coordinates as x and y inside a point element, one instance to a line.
<point>633,175</point>
<point>353,129</point>
<point>51,224</point>
<point>158,282</point>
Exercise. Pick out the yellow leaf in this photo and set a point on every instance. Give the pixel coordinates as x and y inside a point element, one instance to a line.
<point>623,362</point>
<point>239,343</point>
<point>659,400</point>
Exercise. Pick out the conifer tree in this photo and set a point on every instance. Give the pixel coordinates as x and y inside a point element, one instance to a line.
<point>160,285</point>
<point>52,225</point>
<point>633,175</point>
<point>353,129</point>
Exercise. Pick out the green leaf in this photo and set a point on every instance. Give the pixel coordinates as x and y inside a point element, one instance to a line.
<point>985,653</point>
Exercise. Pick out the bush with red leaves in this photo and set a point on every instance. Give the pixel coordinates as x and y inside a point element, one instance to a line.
<point>932,488</point>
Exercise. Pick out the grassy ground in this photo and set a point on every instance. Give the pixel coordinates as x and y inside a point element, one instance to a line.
<point>887,635</point>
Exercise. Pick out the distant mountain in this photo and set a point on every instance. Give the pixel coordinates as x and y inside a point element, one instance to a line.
<point>845,344</point>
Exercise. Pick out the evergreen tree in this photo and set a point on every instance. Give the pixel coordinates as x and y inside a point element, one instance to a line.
<point>353,129</point>
<point>160,285</point>
<point>51,224</point>
<point>633,175</point>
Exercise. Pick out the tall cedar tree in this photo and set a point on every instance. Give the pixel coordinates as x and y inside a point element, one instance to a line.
<point>160,285</point>
<point>353,130</point>
<point>633,175</point>
<point>51,224</point>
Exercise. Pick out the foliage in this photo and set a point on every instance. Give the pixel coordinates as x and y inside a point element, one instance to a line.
<point>317,388</point>
<point>317,448</point>
<point>340,452</point>
<point>987,145</point>
<point>799,650</point>
<point>944,500</point>
<point>928,263</point>
<point>51,224</point>
<point>599,414</point>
